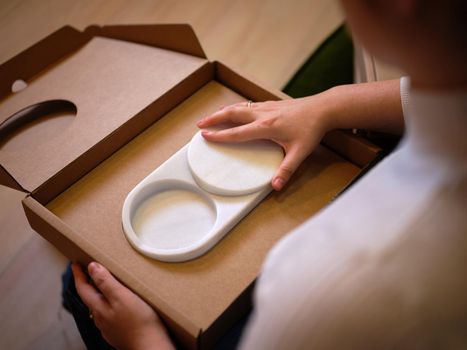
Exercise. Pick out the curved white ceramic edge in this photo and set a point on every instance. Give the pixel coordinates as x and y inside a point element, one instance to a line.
<point>229,210</point>
<point>225,192</point>
<point>219,190</point>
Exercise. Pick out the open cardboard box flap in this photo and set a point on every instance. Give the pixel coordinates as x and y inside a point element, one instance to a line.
<point>107,81</point>
<point>66,40</point>
<point>76,178</point>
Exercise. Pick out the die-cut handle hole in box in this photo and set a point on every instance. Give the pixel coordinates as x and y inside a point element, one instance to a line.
<point>36,124</point>
<point>185,206</point>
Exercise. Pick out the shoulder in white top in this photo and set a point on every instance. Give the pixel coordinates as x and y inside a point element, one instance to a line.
<point>385,265</point>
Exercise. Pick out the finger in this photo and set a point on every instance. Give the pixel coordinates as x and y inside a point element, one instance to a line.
<point>242,133</point>
<point>105,282</point>
<point>289,165</point>
<point>90,296</point>
<point>242,104</point>
<point>231,114</point>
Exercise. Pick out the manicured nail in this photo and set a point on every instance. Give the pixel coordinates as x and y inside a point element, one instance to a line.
<point>278,183</point>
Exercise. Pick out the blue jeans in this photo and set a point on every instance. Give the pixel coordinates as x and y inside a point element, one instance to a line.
<point>92,336</point>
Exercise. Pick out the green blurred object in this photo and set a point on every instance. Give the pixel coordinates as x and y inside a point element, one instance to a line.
<point>330,65</point>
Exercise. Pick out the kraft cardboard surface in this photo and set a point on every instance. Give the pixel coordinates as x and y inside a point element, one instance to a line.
<point>202,289</point>
<point>109,81</point>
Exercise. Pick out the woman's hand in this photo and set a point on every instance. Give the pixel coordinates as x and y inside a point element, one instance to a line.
<point>124,319</point>
<point>296,125</point>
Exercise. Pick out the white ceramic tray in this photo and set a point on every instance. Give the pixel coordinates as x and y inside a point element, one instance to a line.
<point>185,206</point>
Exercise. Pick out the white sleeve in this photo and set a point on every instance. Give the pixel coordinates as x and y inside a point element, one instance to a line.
<point>317,292</point>
<point>343,311</point>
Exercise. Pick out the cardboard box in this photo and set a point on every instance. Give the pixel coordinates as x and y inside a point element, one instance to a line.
<point>134,94</point>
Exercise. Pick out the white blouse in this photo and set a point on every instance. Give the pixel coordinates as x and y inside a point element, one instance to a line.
<point>385,265</point>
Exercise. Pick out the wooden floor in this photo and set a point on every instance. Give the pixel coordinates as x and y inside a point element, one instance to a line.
<point>31,316</point>
<point>267,40</point>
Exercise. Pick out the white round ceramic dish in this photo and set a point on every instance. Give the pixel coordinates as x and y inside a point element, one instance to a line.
<point>168,220</point>
<point>171,216</point>
<point>229,169</point>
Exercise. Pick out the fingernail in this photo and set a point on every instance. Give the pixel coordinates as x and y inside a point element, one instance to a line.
<point>206,132</point>
<point>200,122</point>
<point>278,183</point>
<point>93,267</point>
